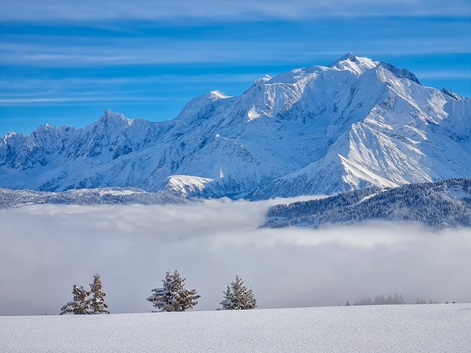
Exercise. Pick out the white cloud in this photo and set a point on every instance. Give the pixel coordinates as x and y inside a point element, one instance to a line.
<point>148,51</point>
<point>59,52</point>
<point>86,99</point>
<point>18,92</point>
<point>444,74</point>
<point>92,82</point>
<point>87,10</point>
<point>47,249</point>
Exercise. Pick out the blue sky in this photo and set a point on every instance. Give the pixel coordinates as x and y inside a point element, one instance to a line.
<point>64,62</point>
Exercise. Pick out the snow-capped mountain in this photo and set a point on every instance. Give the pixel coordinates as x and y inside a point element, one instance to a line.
<point>322,129</point>
<point>443,204</point>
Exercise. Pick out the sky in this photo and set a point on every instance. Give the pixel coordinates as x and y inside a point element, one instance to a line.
<point>66,62</point>
<point>209,243</point>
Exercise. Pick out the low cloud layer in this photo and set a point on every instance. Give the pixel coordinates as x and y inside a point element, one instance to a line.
<point>46,249</point>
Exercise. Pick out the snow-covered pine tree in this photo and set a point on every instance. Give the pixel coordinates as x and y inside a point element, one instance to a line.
<point>227,302</point>
<point>79,305</point>
<point>238,297</point>
<point>97,301</point>
<point>173,296</point>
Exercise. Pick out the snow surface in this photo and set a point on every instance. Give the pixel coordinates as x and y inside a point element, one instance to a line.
<point>363,329</point>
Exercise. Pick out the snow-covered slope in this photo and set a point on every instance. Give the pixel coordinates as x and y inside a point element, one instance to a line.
<point>442,204</point>
<point>355,329</point>
<point>321,129</point>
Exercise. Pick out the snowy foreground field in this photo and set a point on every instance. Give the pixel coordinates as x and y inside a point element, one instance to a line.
<point>400,328</point>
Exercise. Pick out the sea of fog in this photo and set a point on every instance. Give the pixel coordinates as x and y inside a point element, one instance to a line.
<point>45,249</point>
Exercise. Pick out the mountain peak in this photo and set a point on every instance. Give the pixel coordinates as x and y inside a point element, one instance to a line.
<point>109,114</point>
<point>216,94</point>
<point>358,65</point>
<point>197,106</point>
<point>263,79</point>
<point>112,117</point>
<point>43,128</point>
<point>10,135</point>
<point>355,64</point>
<point>349,56</point>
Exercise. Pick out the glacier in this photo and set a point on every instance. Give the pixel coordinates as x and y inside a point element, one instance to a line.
<point>353,124</point>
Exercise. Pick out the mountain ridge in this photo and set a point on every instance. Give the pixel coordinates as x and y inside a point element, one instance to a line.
<point>443,204</point>
<point>322,129</point>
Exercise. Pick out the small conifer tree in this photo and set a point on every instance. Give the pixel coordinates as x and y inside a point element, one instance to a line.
<point>97,301</point>
<point>79,305</point>
<point>238,297</point>
<point>173,296</point>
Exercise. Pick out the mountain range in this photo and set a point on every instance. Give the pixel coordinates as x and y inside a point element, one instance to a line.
<point>353,124</point>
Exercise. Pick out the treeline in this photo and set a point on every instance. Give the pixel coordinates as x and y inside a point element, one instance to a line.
<point>395,299</point>
<point>439,205</point>
<point>100,196</point>
<point>172,296</point>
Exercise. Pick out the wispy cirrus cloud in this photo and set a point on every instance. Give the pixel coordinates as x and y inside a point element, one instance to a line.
<point>99,91</point>
<point>147,52</point>
<point>101,53</point>
<point>74,99</point>
<point>87,10</point>
<point>444,74</point>
<point>114,45</point>
<point>87,82</point>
